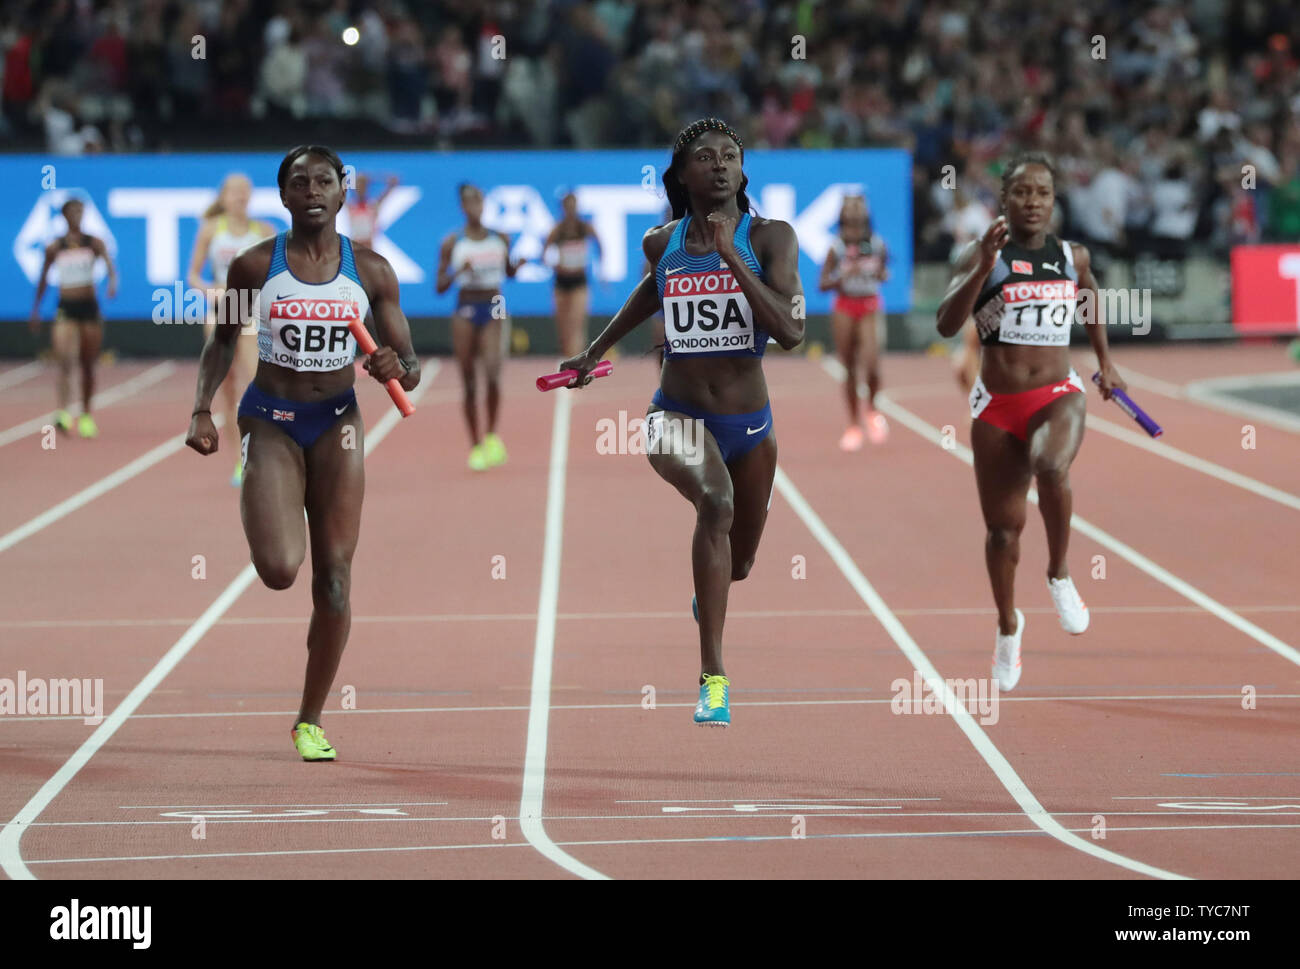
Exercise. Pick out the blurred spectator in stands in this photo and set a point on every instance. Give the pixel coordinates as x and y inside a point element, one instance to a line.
<point>65,133</point>
<point>1101,215</point>
<point>21,40</point>
<point>452,87</point>
<point>327,59</point>
<point>967,220</point>
<point>187,72</point>
<point>1284,207</point>
<point>1174,211</point>
<point>233,50</point>
<point>408,75</point>
<point>284,77</point>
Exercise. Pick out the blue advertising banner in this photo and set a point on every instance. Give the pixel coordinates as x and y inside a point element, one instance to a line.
<point>147,209</point>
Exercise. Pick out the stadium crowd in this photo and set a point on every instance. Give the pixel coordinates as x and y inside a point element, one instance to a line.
<point>1172,122</point>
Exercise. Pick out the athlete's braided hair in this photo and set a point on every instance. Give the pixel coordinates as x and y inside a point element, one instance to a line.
<point>1028,158</point>
<point>677,195</point>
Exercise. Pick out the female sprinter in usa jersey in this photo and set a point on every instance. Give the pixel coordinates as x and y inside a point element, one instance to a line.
<point>298,420</point>
<point>1022,285</point>
<point>726,281</point>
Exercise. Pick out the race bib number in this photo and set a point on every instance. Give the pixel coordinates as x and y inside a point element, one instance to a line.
<point>1031,313</point>
<point>654,430</point>
<point>706,313</point>
<point>862,276</point>
<point>979,398</point>
<point>312,334</point>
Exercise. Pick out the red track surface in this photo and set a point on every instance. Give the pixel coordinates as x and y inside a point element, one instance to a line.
<point>442,655</point>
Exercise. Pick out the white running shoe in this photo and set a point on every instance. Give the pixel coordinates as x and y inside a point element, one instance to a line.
<point>1006,656</point>
<point>1069,605</point>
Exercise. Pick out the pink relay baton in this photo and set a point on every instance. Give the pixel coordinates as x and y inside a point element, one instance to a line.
<point>1131,409</point>
<point>564,378</point>
<point>367,344</point>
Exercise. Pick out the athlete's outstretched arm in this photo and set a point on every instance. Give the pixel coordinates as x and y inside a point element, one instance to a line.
<point>200,254</point>
<point>829,278</point>
<point>973,267</point>
<point>98,248</point>
<point>1110,378</point>
<point>35,323</point>
<point>512,266</point>
<point>244,277</point>
<point>595,241</point>
<point>395,356</point>
<point>774,302</point>
<point>445,275</point>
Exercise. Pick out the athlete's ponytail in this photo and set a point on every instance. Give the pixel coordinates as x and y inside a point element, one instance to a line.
<point>677,195</point>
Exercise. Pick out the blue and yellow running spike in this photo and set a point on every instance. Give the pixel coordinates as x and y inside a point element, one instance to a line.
<point>714,708</point>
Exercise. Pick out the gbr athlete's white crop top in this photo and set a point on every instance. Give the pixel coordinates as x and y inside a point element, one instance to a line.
<point>486,258</point>
<point>304,326</point>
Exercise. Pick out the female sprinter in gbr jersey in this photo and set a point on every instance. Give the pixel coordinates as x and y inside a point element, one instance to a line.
<point>1022,286</point>
<point>726,281</point>
<point>298,420</point>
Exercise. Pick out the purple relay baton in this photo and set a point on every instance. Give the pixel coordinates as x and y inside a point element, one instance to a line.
<point>1131,409</point>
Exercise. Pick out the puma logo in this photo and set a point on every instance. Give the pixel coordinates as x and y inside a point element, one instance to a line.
<point>1053,266</point>
<point>1061,389</point>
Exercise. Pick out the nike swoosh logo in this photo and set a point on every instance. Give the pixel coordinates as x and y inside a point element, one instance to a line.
<point>340,410</point>
<point>669,272</point>
<point>755,430</point>
<point>1060,390</point>
<point>284,296</point>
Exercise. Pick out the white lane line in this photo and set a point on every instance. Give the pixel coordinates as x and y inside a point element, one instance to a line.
<point>608,616</point>
<point>539,704</point>
<point>11,859</point>
<point>1000,766</point>
<point>1126,552</point>
<point>1197,393</point>
<point>101,487</point>
<point>107,398</point>
<point>713,839</point>
<point>741,811</point>
<point>18,375</point>
<point>222,807</point>
<point>1277,378</point>
<point>635,706</point>
<point>1170,453</point>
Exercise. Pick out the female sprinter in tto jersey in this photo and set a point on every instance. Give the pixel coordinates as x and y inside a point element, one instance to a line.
<point>299,421</point>
<point>726,281</point>
<point>78,330</point>
<point>1021,285</point>
<point>479,260</point>
<point>568,240</point>
<point>225,232</point>
<point>855,267</point>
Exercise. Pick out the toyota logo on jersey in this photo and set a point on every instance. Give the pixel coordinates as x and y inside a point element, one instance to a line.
<point>707,311</point>
<point>312,334</point>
